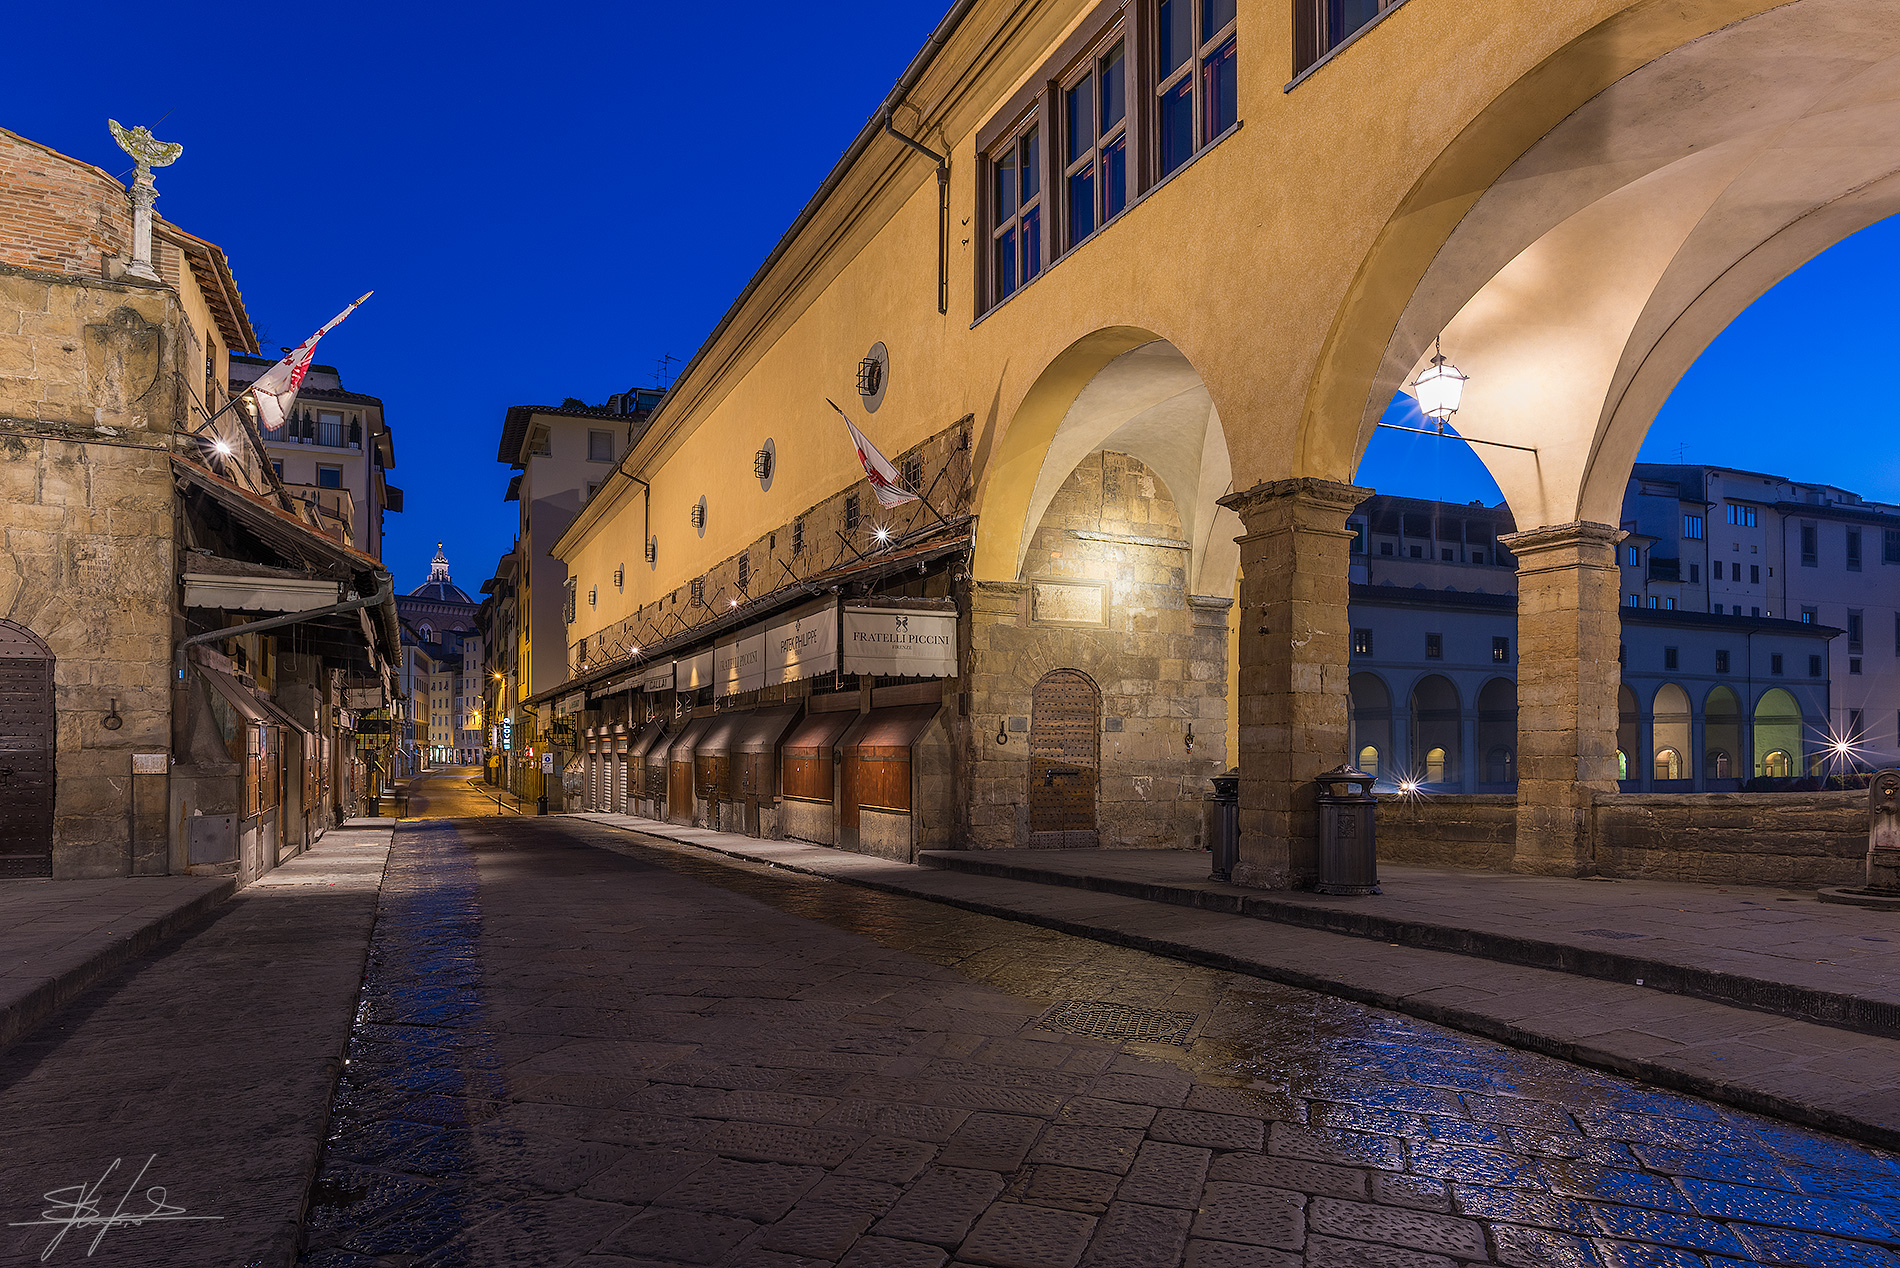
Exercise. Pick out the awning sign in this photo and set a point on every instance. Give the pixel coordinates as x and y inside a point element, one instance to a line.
<point>894,642</point>
<point>695,671</point>
<point>740,665</point>
<point>571,704</point>
<point>659,678</point>
<point>803,648</point>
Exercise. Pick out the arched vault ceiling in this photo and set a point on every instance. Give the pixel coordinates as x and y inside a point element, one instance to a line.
<point>1150,403</point>
<point>1583,284</point>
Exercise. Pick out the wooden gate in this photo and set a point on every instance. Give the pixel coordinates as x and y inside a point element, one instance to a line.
<point>1065,757</point>
<point>26,753</point>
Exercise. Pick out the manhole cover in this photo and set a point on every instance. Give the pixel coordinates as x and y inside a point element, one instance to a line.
<point>1104,1020</point>
<point>1606,933</point>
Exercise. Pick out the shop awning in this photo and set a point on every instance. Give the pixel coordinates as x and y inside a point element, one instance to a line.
<point>717,741</point>
<point>762,729</point>
<point>258,593</point>
<point>818,734</point>
<point>281,718</point>
<point>890,732</point>
<point>681,749</point>
<point>645,738</point>
<point>240,697</point>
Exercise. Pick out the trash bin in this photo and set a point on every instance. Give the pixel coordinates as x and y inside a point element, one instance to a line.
<point>1348,849</point>
<point>541,804</point>
<point>1226,825</point>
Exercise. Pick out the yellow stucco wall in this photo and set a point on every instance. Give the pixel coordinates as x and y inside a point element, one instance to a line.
<point>1277,262</point>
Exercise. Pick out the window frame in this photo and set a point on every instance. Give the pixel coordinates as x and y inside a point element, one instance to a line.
<point>1088,68</point>
<point>1202,47</point>
<point>1014,140</point>
<point>598,433</point>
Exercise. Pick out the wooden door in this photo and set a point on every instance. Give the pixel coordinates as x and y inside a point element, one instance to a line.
<point>679,790</point>
<point>26,753</point>
<point>1065,746</point>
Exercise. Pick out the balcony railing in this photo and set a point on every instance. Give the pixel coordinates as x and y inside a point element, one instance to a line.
<point>331,511</point>
<point>329,435</point>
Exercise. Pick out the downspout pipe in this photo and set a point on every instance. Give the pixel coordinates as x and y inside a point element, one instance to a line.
<point>277,622</point>
<point>943,207</point>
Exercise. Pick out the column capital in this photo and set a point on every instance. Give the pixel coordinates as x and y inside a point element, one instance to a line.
<point>1578,534</point>
<point>1260,506</point>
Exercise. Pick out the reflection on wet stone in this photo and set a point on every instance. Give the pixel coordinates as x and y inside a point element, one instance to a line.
<point>642,1054</point>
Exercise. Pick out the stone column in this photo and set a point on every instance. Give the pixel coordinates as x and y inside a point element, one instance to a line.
<point>1292,698</point>
<point>1470,760</point>
<point>1567,633</point>
<point>1699,746</point>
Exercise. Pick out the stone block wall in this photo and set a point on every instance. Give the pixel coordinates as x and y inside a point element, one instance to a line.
<point>1103,591</point>
<point>1792,840</point>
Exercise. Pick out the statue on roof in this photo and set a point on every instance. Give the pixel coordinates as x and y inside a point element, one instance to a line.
<point>147,152</point>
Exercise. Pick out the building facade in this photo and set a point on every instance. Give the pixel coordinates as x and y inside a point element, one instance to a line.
<point>185,646</point>
<point>444,672</point>
<point>334,453</point>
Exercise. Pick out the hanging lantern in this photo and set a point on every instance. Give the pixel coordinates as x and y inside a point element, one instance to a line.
<point>1439,387</point>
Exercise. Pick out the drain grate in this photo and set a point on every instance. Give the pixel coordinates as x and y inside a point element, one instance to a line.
<point>1607,933</point>
<point>1103,1020</point>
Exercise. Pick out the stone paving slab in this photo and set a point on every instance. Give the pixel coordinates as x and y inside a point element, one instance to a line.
<point>213,1059</point>
<point>1776,950</point>
<point>57,938</point>
<point>1816,1075</point>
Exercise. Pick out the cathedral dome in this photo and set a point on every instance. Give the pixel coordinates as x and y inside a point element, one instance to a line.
<point>438,586</point>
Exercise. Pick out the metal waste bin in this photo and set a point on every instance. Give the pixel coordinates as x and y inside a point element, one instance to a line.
<point>1348,848</point>
<point>1226,842</point>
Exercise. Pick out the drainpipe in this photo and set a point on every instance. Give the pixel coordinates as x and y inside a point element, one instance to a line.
<point>275,622</point>
<point>943,208</point>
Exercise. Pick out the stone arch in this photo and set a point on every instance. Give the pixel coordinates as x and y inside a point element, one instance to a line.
<point>1371,725</point>
<point>1497,732</point>
<point>1121,390</point>
<point>1629,734</point>
<point>1671,728</point>
<point>1778,728</point>
<point>1437,724</point>
<point>1722,746</point>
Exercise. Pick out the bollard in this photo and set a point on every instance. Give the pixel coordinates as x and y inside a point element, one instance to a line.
<point>1348,848</point>
<point>1883,833</point>
<point>1226,825</point>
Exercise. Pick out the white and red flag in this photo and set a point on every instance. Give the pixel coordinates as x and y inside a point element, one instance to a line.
<point>884,479</point>
<point>275,390</point>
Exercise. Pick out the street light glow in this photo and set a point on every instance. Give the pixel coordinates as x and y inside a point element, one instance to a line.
<point>1439,387</point>
<point>222,446</point>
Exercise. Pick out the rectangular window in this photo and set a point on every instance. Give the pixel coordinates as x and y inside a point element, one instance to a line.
<point>1715,569</point>
<point>1194,76</point>
<point>1735,610</point>
<point>1385,548</point>
<point>1853,664</point>
<point>1853,631</point>
<point>697,590</point>
<point>1655,601</point>
<point>329,477</point>
<point>1692,527</point>
<point>1741,514</point>
<point>851,513</point>
<point>1418,552</point>
<point>277,465</point>
<point>1015,211</point>
<point>1358,532</point>
<point>593,487</point>
<point>1809,615</point>
<point>1853,550</point>
<point>1434,647</point>
<point>1754,611</point>
<point>1669,658</point>
<point>1095,144</point>
<point>1362,642</point>
<point>1856,725</point>
<point>1477,556</point>
<point>1636,600</point>
<point>1721,662</point>
<point>1810,546</point>
<point>1501,649</point>
<point>1774,663</point>
<point>1814,666</point>
<point>1320,26</point>
<point>600,446</point>
<point>798,538</point>
<point>1890,546</point>
<point>745,573</point>
<point>1670,604</point>
<point>1754,574</point>
<point>1695,573</point>
<point>1447,554</point>
<point>330,429</point>
<point>1635,554</point>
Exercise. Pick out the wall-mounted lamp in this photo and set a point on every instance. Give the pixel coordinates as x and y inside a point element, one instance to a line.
<point>1189,738</point>
<point>112,721</point>
<point>1002,731</point>
<point>1440,387</point>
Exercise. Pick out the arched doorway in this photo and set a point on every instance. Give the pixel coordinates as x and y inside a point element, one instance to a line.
<point>1629,735</point>
<point>1371,744</point>
<point>1722,740</point>
<point>1497,733</point>
<point>1065,755</point>
<point>1777,734</point>
<point>26,753</point>
<point>1436,758</point>
<point>1671,728</point>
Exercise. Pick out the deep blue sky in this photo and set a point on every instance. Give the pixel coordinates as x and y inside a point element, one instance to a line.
<point>546,199</point>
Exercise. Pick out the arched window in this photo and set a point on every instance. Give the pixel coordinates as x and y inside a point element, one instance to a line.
<point>1435,766</point>
<point>1436,723</point>
<point>1500,767</point>
<point>1668,764</point>
<point>1777,732</point>
<point>1368,760</point>
<point>1622,764</point>
<point>1719,764</point>
<point>1670,711</point>
<point>1777,765</point>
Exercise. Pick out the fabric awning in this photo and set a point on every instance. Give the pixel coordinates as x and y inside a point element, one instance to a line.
<point>818,734</point>
<point>258,593</point>
<point>643,739</point>
<point>890,732</point>
<point>762,728</point>
<point>681,749</point>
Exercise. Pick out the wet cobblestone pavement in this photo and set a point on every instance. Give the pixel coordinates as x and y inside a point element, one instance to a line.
<point>635,1055</point>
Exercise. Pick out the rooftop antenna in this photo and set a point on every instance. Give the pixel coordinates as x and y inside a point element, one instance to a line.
<point>1682,452</point>
<point>664,375</point>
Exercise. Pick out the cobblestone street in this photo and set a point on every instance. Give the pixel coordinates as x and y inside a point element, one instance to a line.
<point>574,1046</point>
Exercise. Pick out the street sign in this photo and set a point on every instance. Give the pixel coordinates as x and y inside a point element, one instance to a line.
<point>547,762</point>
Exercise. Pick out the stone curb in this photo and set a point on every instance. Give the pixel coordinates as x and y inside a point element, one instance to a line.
<point>1799,1003</point>
<point>1579,1052</point>
<point>21,1016</point>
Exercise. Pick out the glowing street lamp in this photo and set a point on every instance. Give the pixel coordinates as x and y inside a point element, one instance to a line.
<point>1439,388</point>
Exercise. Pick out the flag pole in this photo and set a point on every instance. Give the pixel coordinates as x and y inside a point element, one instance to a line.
<point>915,495</point>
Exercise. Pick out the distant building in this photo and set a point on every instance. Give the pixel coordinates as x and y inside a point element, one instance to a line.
<point>334,453</point>
<point>1722,681</point>
<point>442,672</point>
